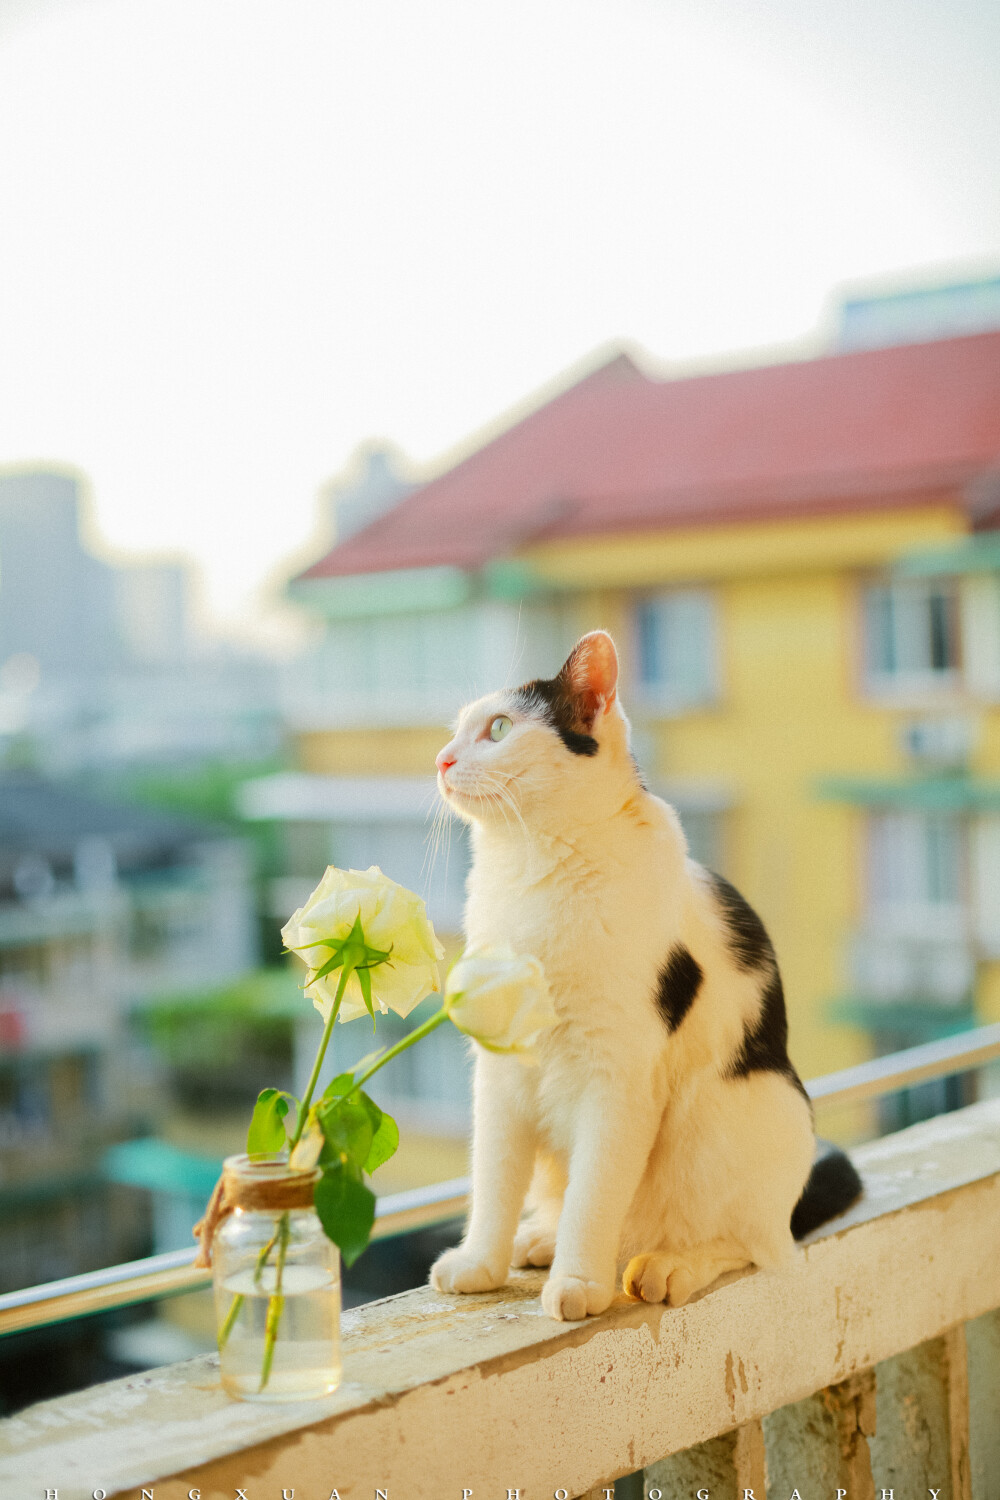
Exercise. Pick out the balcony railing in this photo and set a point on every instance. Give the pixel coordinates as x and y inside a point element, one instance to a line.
<point>875,1364</point>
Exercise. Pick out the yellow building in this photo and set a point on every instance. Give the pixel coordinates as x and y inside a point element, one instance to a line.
<point>810,639</point>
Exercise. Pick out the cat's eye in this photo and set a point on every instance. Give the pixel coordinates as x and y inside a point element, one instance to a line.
<point>501,724</point>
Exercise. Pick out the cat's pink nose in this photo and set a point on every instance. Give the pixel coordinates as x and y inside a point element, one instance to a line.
<point>444,760</point>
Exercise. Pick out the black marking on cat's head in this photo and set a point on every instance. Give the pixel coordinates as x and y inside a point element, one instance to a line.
<point>552,700</point>
<point>583,688</point>
<point>677,984</point>
<point>748,940</point>
<point>764,1047</point>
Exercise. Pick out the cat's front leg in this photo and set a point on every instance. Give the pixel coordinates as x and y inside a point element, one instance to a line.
<point>503,1156</point>
<point>613,1138</point>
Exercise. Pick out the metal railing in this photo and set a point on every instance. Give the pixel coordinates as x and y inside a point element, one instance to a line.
<point>174,1273</point>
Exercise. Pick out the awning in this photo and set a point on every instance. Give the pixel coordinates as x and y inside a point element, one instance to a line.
<point>918,1016</point>
<point>927,794</point>
<point>975,554</point>
<point>154,1164</point>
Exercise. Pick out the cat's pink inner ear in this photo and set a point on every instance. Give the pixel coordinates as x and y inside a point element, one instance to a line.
<point>592,670</point>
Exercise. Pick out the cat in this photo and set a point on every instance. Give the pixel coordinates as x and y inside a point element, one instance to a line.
<point>664,1128</point>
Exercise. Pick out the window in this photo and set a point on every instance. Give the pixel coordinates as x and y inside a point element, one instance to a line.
<point>917,884</point>
<point>914,951</point>
<point>911,635</point>
<point>421,666</point>
<point>676,642</point>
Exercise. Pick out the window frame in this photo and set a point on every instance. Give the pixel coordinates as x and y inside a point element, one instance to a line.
<point>908,684</point>
<point>924,916</point>
<point>662,698</point>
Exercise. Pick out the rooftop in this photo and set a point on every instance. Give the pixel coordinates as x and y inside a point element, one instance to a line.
<point>49,820</point>
<point>617,450</point>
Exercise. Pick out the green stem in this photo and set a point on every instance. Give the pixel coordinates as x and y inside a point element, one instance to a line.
<point>231,1316</point>
<point>408,1041</point>
<point>275,1304</point>
<point>258,1269</point>
<point>300,1123</point>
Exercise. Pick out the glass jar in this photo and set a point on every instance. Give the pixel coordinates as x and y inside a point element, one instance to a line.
<point>277,1285</point>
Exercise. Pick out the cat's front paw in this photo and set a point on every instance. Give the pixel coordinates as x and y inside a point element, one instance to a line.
<point>533,1246</point>
<point>463,1270</point>
<point>661,1277</point>
<point>570,1299</point>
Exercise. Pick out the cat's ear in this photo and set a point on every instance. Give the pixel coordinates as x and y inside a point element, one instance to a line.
<point>590,673</point>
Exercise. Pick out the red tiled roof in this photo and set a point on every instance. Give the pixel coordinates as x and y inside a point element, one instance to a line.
<point>619,450</point>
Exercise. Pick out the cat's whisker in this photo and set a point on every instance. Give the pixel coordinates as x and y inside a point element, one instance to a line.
<point>517,650</point>
<point>500,796</point>
<point>440,826</point>
<point>507,800</point>
<point>433,839</point>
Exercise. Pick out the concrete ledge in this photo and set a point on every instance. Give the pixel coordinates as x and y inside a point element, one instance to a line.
<point>486,1393</point>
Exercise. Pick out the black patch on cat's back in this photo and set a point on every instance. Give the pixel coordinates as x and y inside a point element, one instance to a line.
<point>677,984</point>
<point>748,939</point>
<point>764,1048</point>
<point>549,698</point>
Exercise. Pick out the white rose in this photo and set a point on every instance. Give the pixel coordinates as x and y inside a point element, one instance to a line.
<point>392,918</point>
<point>500,998</point>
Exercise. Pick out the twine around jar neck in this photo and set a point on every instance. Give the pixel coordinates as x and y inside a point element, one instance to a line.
<point>261,1185</point>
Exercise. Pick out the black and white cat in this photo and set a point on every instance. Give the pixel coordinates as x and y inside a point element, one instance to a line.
<point>664,1129</point>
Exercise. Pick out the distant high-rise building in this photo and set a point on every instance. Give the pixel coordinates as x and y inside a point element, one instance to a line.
<point>57,601</point>
<point>98,661</point>
<point>154,608</point>
<point>371,486</point>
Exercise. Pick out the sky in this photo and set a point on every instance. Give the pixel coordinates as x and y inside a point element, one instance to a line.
<point>238,238</point>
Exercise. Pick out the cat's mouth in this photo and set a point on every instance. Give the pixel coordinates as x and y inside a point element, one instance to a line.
<point>458,793</point>
<point>481,797</point>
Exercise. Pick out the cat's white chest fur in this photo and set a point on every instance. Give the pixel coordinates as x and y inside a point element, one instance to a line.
<point>596,912</point>
<point>597,909</point>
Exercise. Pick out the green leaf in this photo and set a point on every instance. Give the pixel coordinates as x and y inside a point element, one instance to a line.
<point>337,1087</point>
<point>267,1124</point>
<point>349,1127</point>
<point>384,1141</point>
<point>346,1209</point>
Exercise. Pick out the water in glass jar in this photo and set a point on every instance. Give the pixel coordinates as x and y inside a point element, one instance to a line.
<point>307,1349</point>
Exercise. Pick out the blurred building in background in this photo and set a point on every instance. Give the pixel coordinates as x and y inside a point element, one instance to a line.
<point>99,663</point>
<point>103,907</point>
<point>124,889</point>
<point>796,563</point>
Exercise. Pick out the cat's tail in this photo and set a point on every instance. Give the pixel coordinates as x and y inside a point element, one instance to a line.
<point>833,1185</point>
